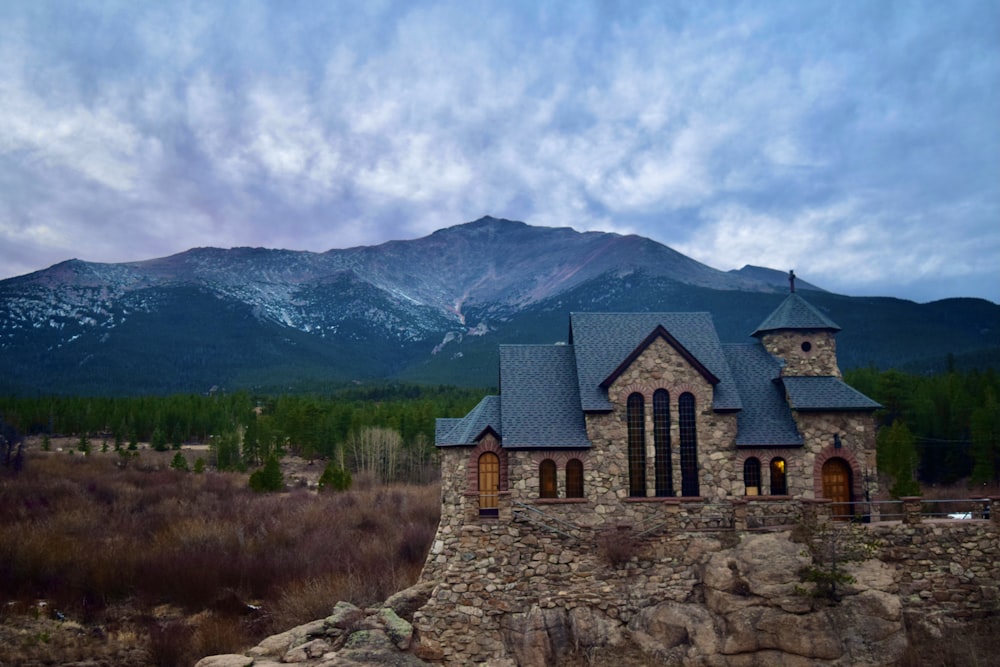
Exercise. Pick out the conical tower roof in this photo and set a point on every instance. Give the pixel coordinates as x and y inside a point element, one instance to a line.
<point>795,313</point>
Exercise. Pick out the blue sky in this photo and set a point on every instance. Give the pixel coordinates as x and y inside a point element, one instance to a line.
<point>856,142</point>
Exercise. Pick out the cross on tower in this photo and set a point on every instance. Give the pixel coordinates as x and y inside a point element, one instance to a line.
<point>791,280</point>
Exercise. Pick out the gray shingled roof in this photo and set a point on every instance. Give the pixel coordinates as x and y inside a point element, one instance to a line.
<point>796,313</point>
<point>825,393</point>
<point>765,419</point>
<point>601,341</point>
<point>465,431</point>
<point>540,403</point>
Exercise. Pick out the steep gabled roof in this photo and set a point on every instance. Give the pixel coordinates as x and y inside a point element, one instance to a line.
<point>660,332</point>
<point>602,341</point>
<point>795,313</point>
<point>540,402</point>
<point>465,431</point>
<point>825,393</point>
<point>765,420</point>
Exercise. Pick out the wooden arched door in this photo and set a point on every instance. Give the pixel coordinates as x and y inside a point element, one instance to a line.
<point>489,483</point>
<point>837,487</point>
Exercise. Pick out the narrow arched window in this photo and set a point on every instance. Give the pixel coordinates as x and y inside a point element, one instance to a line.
<point>547,479</point>
<point>636,417</point>
<point>661,443</point>
<point>574,478</point>
<point>779,479</point>
<point>689,444</point>
<point>751,476</point>
<point>489,484</point>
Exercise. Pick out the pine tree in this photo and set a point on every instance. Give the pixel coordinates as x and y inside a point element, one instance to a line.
<point>179,463</point>
<point>334,478</point>
<point>897,456</point>
<point>268,478</point>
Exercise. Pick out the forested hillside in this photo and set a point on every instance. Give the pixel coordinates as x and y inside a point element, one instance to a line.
<point>935,429</point>
<point>245,430</point>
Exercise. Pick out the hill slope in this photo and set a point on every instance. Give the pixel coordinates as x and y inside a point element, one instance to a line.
<point>432,309</point>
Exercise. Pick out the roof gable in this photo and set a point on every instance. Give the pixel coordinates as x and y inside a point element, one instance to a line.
<point>470,428</point>
<point>602,340</point>
<point>660,332</point>
<point>795,313</point>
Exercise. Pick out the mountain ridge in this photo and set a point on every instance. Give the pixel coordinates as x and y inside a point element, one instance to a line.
<point>427,309</point>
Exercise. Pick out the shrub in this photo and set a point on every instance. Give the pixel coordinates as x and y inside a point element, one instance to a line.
<point>268,478</point>
<point>334,478</point>
<point>617,546</point>
<point>179,463</point>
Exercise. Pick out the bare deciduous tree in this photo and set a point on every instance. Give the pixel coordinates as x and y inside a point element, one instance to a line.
<point>376,450</point>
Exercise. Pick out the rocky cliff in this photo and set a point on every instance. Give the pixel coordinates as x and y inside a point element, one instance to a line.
<point>711,599</point>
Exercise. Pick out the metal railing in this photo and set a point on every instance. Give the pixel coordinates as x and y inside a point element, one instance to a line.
<point>874,511</point>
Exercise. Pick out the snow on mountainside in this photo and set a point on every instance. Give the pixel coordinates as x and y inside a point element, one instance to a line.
<point>413,286</point>
<point>432,309</point>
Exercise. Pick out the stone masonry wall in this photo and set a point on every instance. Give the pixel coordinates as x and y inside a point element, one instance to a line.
<point>660,366</point>
<point>820,359</point>
<point>500,583</point>
<point>856,431</point>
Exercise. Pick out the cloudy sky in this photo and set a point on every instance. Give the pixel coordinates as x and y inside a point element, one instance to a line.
<point>857,142</point>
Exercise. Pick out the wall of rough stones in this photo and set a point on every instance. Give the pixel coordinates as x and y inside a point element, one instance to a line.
<point>494,575</point>
<point>820,359</point>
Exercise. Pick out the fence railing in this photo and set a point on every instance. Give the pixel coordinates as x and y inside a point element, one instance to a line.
<point>751,513</point>
<point>912,508</point>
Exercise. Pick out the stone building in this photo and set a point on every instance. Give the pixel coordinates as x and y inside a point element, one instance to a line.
<point>639,412</point>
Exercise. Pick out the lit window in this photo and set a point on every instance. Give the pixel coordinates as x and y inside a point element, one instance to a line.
<point>751,476</point>
<point>547,479</point>
<point>779,481</point>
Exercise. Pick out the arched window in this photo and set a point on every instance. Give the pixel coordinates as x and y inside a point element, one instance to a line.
<point>689,445</point>
<point>636,417</point>
<point>751,476</point>
<point>547,479</point>
<point>661,443</point>
<point>574,478</point>
<point>779,482</point>
<point>489,483</point>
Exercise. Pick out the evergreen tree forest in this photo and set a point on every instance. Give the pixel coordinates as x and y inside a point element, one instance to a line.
<point>935,429</point>
<point>245,431</point>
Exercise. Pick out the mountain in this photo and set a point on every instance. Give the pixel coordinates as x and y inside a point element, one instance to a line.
<point>427,310</point>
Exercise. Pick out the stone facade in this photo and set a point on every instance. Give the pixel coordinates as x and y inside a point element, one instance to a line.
<point>804,352</point>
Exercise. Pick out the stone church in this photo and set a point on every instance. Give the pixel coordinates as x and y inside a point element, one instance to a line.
<point>641,411</point>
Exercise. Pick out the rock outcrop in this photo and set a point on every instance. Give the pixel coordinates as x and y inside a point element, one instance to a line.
<point>348,637</point>
<point>696,598</point>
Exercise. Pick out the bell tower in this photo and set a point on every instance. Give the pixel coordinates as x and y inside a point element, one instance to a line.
<point>801,336</point>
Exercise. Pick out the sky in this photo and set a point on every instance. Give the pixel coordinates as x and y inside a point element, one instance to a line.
<point>856,142</point>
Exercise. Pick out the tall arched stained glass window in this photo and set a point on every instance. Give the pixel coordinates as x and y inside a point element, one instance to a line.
<point>661,443</point>
<point>636,417</point>
<point>689,444</point>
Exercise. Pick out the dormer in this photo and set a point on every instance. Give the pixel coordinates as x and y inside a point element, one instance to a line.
<point>801,336</point>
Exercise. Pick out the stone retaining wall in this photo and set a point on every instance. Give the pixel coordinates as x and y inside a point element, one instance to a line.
<point>496,579</point>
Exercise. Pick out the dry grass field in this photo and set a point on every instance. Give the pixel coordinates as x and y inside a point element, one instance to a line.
<point>144,565</point>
